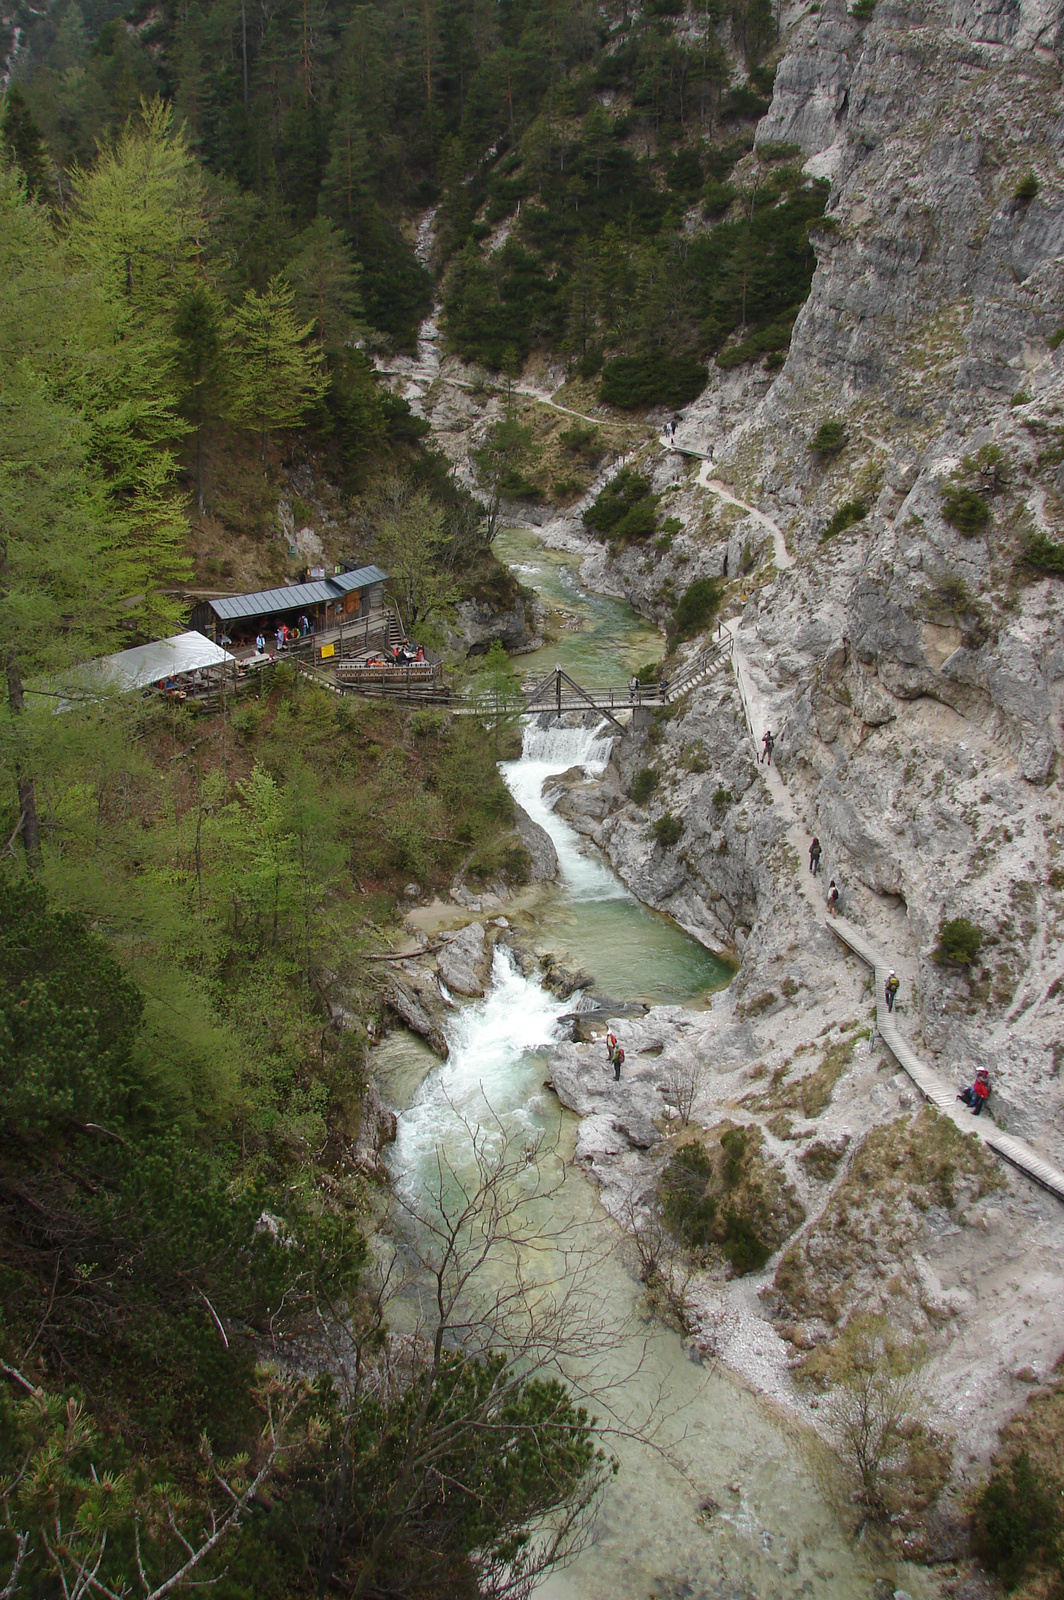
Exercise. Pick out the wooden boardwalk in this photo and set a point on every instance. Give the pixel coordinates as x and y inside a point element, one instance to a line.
<point>931,1084</point>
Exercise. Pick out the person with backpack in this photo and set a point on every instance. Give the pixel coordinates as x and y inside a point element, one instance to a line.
<point>833,898</point>
<point>814,857</point>
<point>618,1063</point>
<point>978,1093</point>
<point>770,744</point>
<point>890,988</point>
<point>611,1045</point>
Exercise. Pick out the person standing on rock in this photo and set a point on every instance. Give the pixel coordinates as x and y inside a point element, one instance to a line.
<point>770,744</point>
<point>833,898</point>
<point>814,857</point>
<point>891,988</point>
<point>618,1063</point>
<point>611,1045</point>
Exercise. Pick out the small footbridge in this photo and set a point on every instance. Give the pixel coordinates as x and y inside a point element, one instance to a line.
<point>558,692</point>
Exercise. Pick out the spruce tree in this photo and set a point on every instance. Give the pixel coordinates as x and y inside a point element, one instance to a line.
<point>23,145</point>
<point>200,359</point>
<point>277,374</point>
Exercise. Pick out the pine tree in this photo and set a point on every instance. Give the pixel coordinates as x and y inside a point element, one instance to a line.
<point>23,145</point>
<point>277,375</point>
<point>325,276</point>
<point>200,358</point>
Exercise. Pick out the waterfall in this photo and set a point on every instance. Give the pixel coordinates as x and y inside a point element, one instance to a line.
<point>546,751</point>
<point>560,747</point>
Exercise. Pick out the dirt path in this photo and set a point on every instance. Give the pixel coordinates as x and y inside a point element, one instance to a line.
<point>784,559</point>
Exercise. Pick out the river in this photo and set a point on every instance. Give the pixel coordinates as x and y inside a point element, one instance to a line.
<point>768,1532</point>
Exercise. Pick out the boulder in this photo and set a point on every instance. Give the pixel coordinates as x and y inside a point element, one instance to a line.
<point>465,961</point>
<point>540,846</point>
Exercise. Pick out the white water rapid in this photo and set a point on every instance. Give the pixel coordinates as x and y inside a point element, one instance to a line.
<point>726,1504</point>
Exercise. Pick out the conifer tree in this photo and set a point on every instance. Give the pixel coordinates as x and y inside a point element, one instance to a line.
<point>200,358</point>
<point>60,569</point>
<point>325,276</point>
<point>277,374</point>
<point>23,145</point>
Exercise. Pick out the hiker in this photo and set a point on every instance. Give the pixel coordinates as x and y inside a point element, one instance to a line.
<point>814,857</point>
<point>978,1093</point>
<point>260,643</point>
<point>891,988</point>
<point>611,1045</point>
<point>833,898</point>
<point>770,744</point>
<point>618,1063</point>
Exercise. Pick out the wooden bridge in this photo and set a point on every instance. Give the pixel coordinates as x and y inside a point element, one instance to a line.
<point>556,693</point>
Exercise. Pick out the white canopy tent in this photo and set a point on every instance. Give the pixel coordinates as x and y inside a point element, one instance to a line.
<point>147,664</point>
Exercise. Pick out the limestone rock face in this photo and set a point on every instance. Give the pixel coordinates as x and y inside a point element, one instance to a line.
<point>540,846</point>
<point>465,961</point>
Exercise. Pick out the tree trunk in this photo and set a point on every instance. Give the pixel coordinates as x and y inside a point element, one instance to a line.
<point>27,793</point>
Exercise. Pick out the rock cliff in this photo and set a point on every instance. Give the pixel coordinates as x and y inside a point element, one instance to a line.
<point>910,659</point>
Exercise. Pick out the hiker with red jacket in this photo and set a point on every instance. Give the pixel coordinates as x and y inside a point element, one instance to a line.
<point>978,1093</point>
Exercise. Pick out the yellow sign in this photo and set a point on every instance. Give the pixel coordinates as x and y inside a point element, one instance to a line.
<point>327,650</point>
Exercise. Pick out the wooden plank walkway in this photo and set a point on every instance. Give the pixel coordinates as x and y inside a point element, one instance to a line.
<point>930,1083</point>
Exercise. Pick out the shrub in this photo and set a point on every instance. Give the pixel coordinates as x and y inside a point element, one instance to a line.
<point>965,510</point>
<point>582,440</point>
<point>829,438</point>
<point>632,381</point>
<point>716,198</point>
<point>1027,187</point>
<point>590,363</point>
<point>667,830</point>
<point>695,609</point>
<point>626,508</point>
<point>862,10</point>
<point>723,798</point>
<point>950,594</point>
<point>959,941</point>
<point>649,673</point>
<point>845,517</point>
<point>1042,552</point>
<point>643,785</point>
<point>1056,339</point>
<point>1019,1521</point>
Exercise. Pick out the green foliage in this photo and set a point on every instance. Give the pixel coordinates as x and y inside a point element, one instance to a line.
<point>723,798</point>
<point>830,437</point>
<point>1027,187</point>
<point>692,1194</point>
<point>23,146</point>
<point>667,830</point>
<point>277,374</point>
<point>633,381</point>
<point>772,339</point>
<point>1056,339</point>
<point>695,610</point>
<point>862,10</point>
<point>625,510</point>
<point>1019,1521</point>
<point>643,785</point>
<point>850,512</point>
<point>959,941</point>
<point>1041,552</point>
<point>965,509</point>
